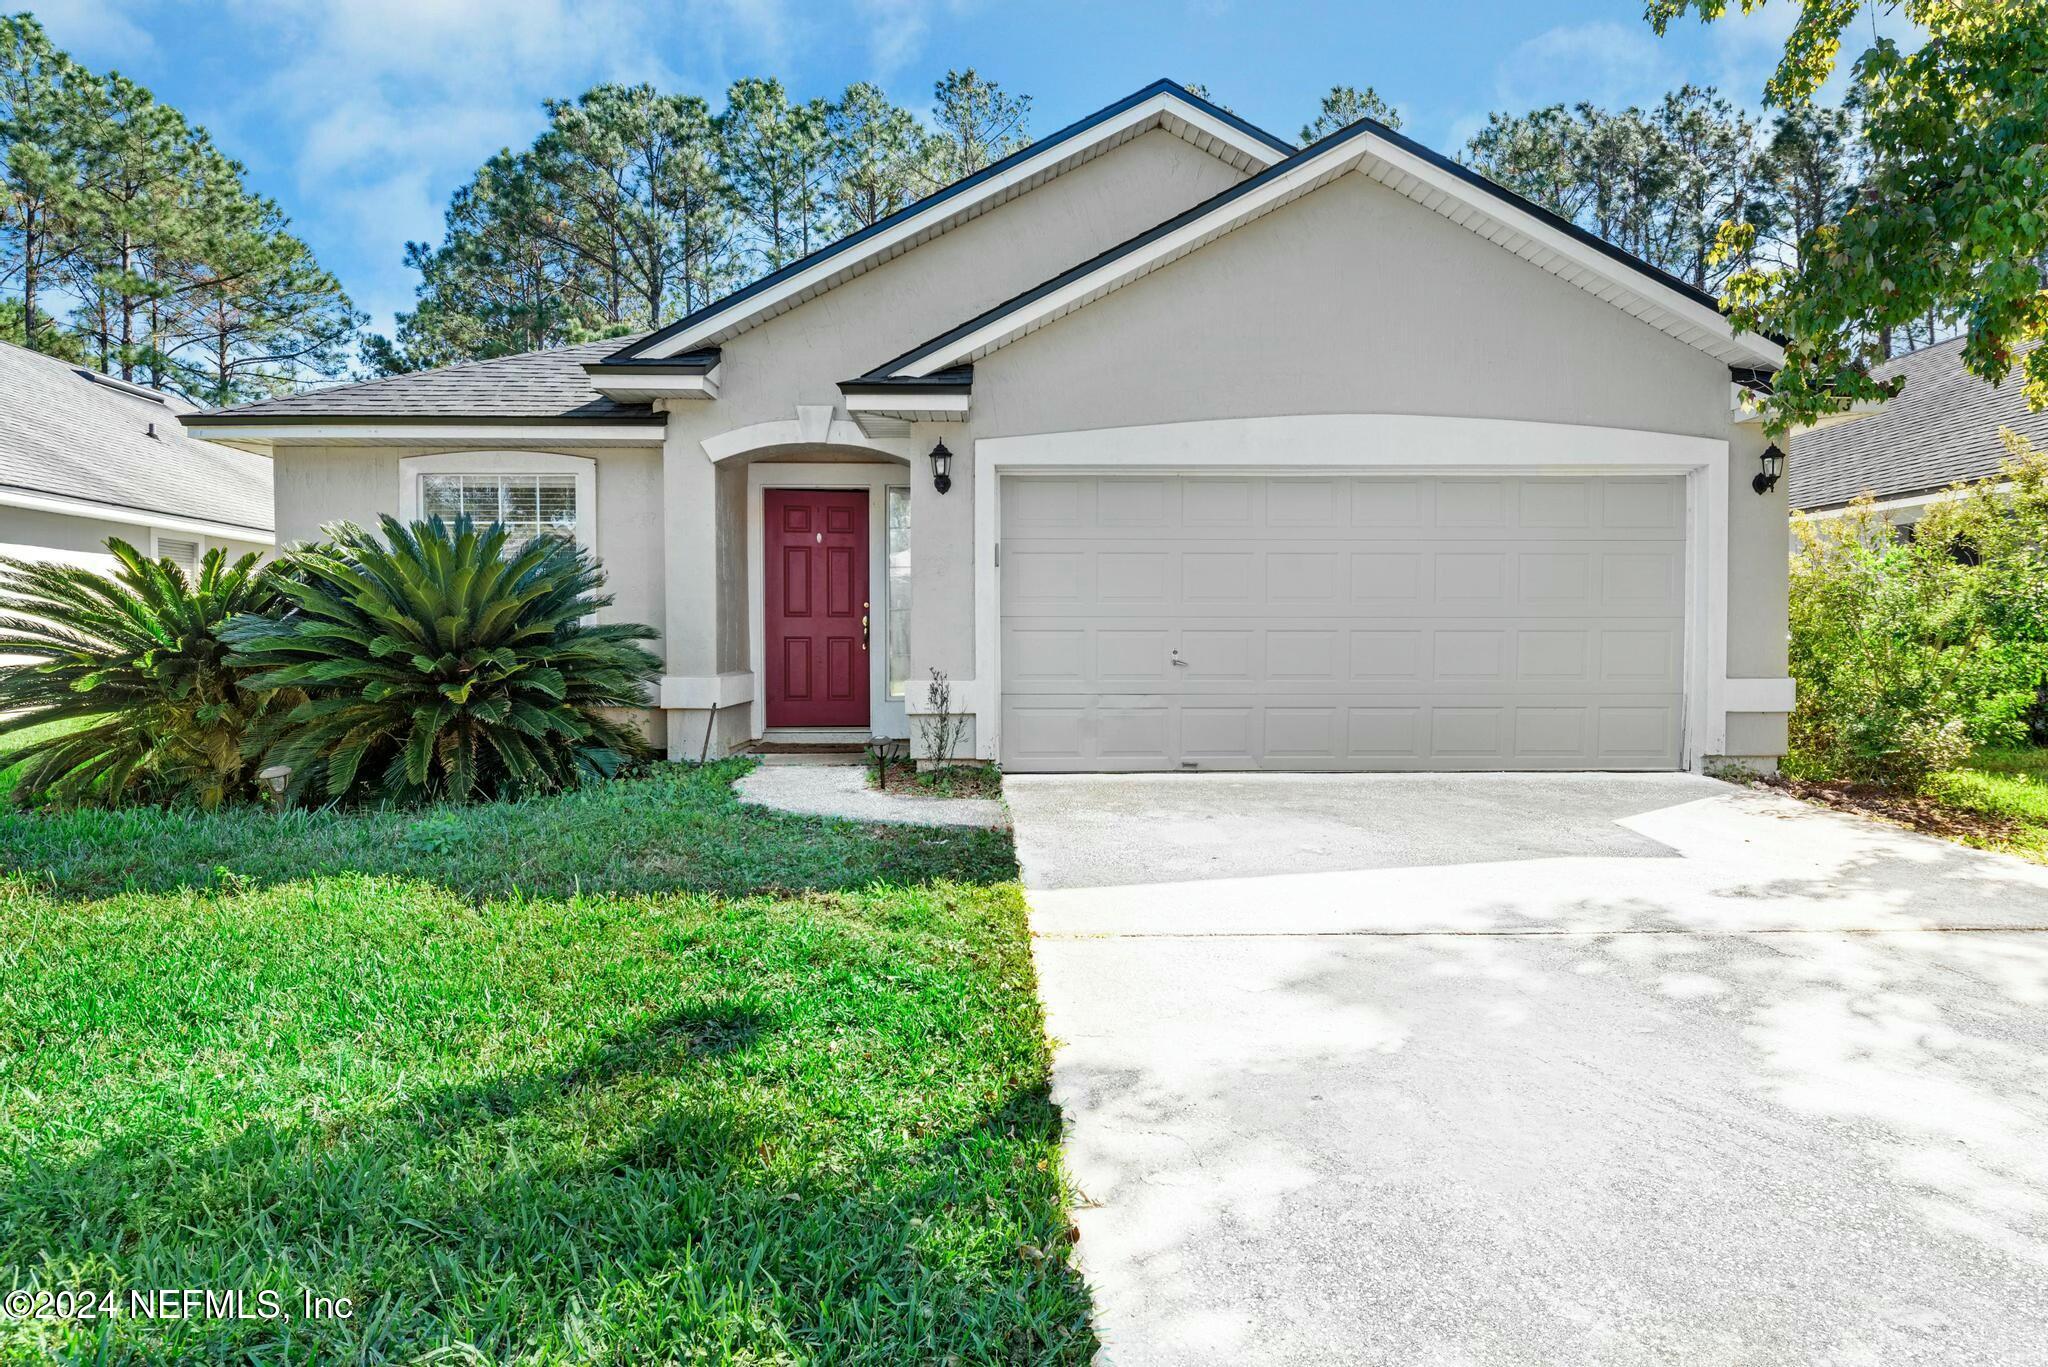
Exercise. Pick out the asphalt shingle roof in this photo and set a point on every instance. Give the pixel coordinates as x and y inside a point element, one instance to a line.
<point>1942,427</point>
<point>63,433</point>
<point>547,384</point>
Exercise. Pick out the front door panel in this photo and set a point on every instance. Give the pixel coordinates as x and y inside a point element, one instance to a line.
<point>817,609</point>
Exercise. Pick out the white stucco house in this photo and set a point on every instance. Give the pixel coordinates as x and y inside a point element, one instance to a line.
<point>1174,447</point>
<point>85,457</point>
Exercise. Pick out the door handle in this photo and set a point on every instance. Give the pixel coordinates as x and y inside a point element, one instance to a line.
<point>1178,662</point>
<point>863,631</point>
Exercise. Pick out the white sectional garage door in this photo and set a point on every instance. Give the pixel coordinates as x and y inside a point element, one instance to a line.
<point>1353,622</point>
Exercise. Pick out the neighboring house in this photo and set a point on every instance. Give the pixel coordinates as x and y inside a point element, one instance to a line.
<point>1335,458</point>
<point>85,457</point>
<point>1942,428</point>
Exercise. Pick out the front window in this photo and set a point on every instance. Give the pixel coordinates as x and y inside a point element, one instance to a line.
<point>898,547</point>
<point>526,505</point>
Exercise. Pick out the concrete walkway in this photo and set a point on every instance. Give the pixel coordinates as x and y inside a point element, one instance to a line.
<point>1496,1069</point>
<point>842,790</point>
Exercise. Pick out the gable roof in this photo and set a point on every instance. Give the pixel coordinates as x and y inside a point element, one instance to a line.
<point>72,435</point>
<point>1942,427</point>
<point>1457,192</point>
<point>548,386</point>
<point>1162,104</point>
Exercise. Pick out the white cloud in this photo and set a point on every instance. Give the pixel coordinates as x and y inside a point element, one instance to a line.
<point>1608,63</point>
<point>387,106</point>
<point>896,33</point>
<point>100,32</point>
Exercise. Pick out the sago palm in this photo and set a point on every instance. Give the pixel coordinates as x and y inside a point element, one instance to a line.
<point>126,676</point>
<point>436,663</point>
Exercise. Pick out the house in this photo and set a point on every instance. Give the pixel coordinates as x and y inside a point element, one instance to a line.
<point>1173,447</point>
<point>85,457</point>
<point>1942,428</point>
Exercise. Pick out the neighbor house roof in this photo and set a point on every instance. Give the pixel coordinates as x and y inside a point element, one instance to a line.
<point>71,436</point>
<point>548,386</point>
<point>1460,194</point>
<point>1942,427</point>
<point>1161,105</point>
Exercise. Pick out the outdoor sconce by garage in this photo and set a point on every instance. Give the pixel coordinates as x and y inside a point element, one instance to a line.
<point>1773,461</point>
<point>942,468</point>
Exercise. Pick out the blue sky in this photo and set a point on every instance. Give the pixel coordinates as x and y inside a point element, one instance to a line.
<point>362,116</point>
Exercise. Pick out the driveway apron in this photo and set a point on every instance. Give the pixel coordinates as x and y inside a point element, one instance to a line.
<point>1540,1069</point>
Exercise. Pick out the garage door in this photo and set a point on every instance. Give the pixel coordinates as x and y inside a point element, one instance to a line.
<point>1279,622</point>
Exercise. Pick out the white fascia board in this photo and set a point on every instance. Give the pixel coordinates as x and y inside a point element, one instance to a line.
<point>1573,259</point>
<point>800,285</point>
<point>113,512</point>
<point>1502,223</point>
<point>434,434</point>
<point>620,383</point>
<point>911,405</point>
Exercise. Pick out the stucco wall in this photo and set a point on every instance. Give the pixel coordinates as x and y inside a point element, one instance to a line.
<point>320,484</point>
<point>1354,299</point>
<point>32,534</point>
<point>800,357</point>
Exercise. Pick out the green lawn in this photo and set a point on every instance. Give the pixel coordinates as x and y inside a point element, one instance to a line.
<point>634,1075</point>
<point>9,773</point>
<point>2011,788</point>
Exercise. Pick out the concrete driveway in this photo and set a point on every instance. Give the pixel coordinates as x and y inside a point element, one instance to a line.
<point>1518,1069</point>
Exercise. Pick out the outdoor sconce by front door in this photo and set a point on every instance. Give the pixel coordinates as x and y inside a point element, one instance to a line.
<point>1773,461</point>
<point>942,468</point>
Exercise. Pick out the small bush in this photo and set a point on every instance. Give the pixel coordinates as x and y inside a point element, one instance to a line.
<point>127,687</point>
<point>435,665</point>
<point>1911,651</point>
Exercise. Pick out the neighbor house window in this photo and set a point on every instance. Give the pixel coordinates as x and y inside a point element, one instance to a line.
<point>898,547</point>
<point>527,505</point>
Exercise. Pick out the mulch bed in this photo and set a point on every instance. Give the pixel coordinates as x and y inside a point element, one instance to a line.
<point>1917,813</point>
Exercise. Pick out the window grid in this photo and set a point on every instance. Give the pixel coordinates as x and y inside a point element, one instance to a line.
<point>527,506</point>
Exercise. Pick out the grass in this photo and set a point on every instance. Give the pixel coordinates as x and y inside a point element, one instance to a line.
<point>632,1075</point>
<point>2010,789</point>
<point>1998,801</point>
<point>10,774</point>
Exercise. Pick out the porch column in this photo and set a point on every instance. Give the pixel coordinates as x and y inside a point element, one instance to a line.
<point>703,649</point>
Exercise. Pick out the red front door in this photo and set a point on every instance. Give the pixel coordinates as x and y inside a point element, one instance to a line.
<point>816,566</point>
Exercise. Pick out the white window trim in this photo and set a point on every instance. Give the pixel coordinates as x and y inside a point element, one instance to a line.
<point>1386,444</point>
<point>886,715</point>
<point>584,468</point>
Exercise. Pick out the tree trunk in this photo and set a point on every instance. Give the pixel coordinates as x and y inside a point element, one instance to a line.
<point>28,281</point>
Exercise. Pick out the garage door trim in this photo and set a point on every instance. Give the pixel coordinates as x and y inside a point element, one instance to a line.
<point>1405,445</point>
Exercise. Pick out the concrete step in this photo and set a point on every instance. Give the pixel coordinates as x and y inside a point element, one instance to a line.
<point>822,756</point>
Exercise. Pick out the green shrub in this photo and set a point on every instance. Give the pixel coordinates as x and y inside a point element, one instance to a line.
<point>1911,651</point>
<point>436,665</point>
<point>127,686</point>
<point>1876,698</point>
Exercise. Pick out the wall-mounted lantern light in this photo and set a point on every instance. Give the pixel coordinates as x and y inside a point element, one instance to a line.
<point>1773,461</point>
<point>942,468</point>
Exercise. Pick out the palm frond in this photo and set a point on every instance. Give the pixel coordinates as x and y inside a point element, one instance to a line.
<point>434,664</point>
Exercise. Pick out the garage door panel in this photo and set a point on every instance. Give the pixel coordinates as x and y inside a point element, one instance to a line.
<point>1343,623</point>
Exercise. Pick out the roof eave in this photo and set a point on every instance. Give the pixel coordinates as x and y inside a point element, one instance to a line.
<point>1538,236</point>
<point>645,382</point>
<point>831,265</point>
<point>942,398</point>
